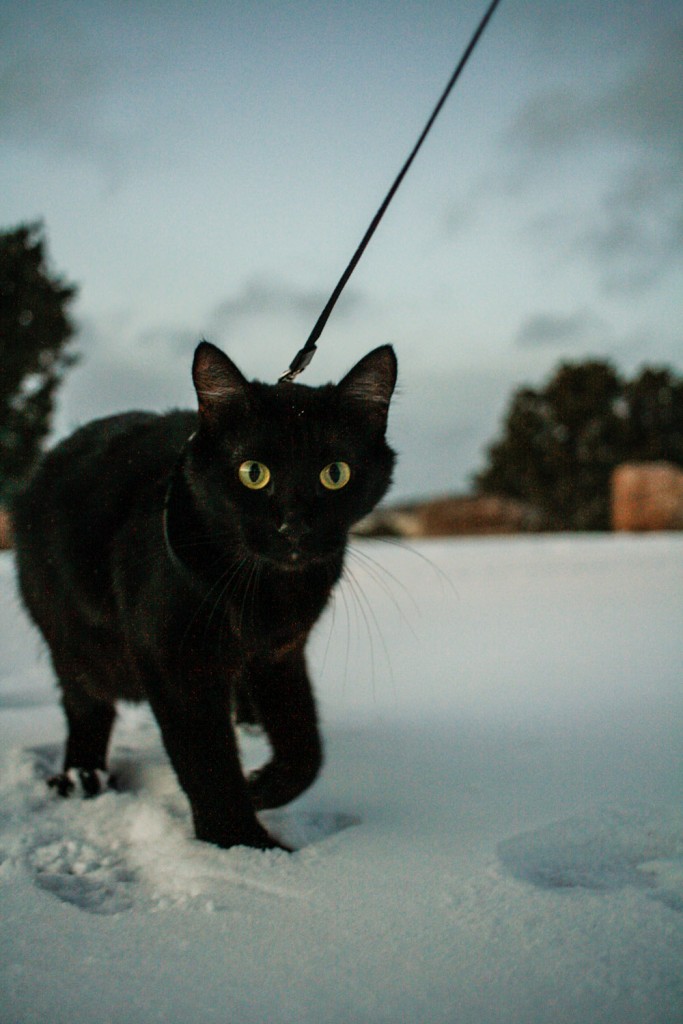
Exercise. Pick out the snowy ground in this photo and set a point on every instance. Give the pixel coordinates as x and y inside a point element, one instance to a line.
<point>497,835</point>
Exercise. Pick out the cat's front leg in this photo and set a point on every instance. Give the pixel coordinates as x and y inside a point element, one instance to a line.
<point>281,691</point>
<point>90,723</point>
<point>197,731</point>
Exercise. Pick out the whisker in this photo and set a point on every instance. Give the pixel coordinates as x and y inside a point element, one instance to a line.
<point>340,590</point>
<point>330,631</point>
<point>353,587</point>
<point>246,580</point>
<point>376,571</point>
<point>229,589</point>
<point>403,545</point>
<point>365,603</point>
<point>234,567</point>
<point>257,586</point>
<point>348,581</point>
<point>248,586</point>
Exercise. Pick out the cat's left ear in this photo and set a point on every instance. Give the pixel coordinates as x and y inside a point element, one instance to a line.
<point>371,382</point>
<point>217,381</point>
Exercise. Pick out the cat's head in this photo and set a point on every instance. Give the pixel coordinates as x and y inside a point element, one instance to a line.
<point>286,467</point>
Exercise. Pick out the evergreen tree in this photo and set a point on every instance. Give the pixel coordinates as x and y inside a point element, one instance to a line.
<point>560,443</point>
<point>35,330</point>
<point>654,419</point>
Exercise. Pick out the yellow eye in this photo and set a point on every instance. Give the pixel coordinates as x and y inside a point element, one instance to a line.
<point>253,475</point>
<point>335,476</point>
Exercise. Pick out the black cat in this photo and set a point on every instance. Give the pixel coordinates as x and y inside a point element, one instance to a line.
<point>183,559</point>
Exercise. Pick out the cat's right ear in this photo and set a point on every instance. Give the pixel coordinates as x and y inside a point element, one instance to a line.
<point>218,383</point>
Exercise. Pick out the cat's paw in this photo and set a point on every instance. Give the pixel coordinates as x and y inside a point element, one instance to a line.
<point>256,837</point>
<point>277,783</point>
<point>268,842</point>
<point>83,782</point>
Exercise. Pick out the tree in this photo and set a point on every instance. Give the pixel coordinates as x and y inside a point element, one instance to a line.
<point>654,424</point>
<point>35,330</point>
<point>560,444</point>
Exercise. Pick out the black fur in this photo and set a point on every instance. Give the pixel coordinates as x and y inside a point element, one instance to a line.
<point>155,574</point>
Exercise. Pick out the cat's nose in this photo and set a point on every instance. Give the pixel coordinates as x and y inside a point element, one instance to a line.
<point>293,530</point>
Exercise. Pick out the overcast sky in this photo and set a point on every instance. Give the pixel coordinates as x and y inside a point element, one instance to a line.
<point>208,168</point>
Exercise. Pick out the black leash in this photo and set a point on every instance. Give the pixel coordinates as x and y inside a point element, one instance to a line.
<point>304,355</point>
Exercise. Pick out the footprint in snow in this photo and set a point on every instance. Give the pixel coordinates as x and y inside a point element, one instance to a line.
<point>640,847</point>
<point>306,828</point>
<point>79,873</point>
<point>153,863</point>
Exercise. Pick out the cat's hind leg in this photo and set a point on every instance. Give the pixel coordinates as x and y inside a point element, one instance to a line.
<point>90,721</point>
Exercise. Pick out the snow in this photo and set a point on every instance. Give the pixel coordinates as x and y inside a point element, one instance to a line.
<point>497,834</point>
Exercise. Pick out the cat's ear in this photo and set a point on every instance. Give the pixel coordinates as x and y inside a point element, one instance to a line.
<point>370,384</point>
<point>217,381</point>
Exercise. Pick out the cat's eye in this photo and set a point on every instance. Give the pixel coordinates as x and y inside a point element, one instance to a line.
<point>253,475</point>
<point>335,476</point>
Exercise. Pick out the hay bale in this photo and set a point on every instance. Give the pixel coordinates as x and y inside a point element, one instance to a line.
<point>647,497</point>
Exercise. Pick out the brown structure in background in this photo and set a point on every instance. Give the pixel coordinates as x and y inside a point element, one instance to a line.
<point>647,496</point>
<point>452,516</point>
<point>5,530</point>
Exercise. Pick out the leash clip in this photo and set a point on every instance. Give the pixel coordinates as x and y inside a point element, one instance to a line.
<point>297,365</point>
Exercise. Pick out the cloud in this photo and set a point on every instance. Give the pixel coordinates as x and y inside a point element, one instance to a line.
<point>262,298</point>
<point>61,82</point>
<point>458,216</point>
<point>637,233</point>
<point>632,232</point>
<point>644,105</point>
<point>440,437</point>
<point>566,330</point>
<point>267,321</point>
<point>48,81</point>
<point>545,337</point>
<point>122,369</point>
